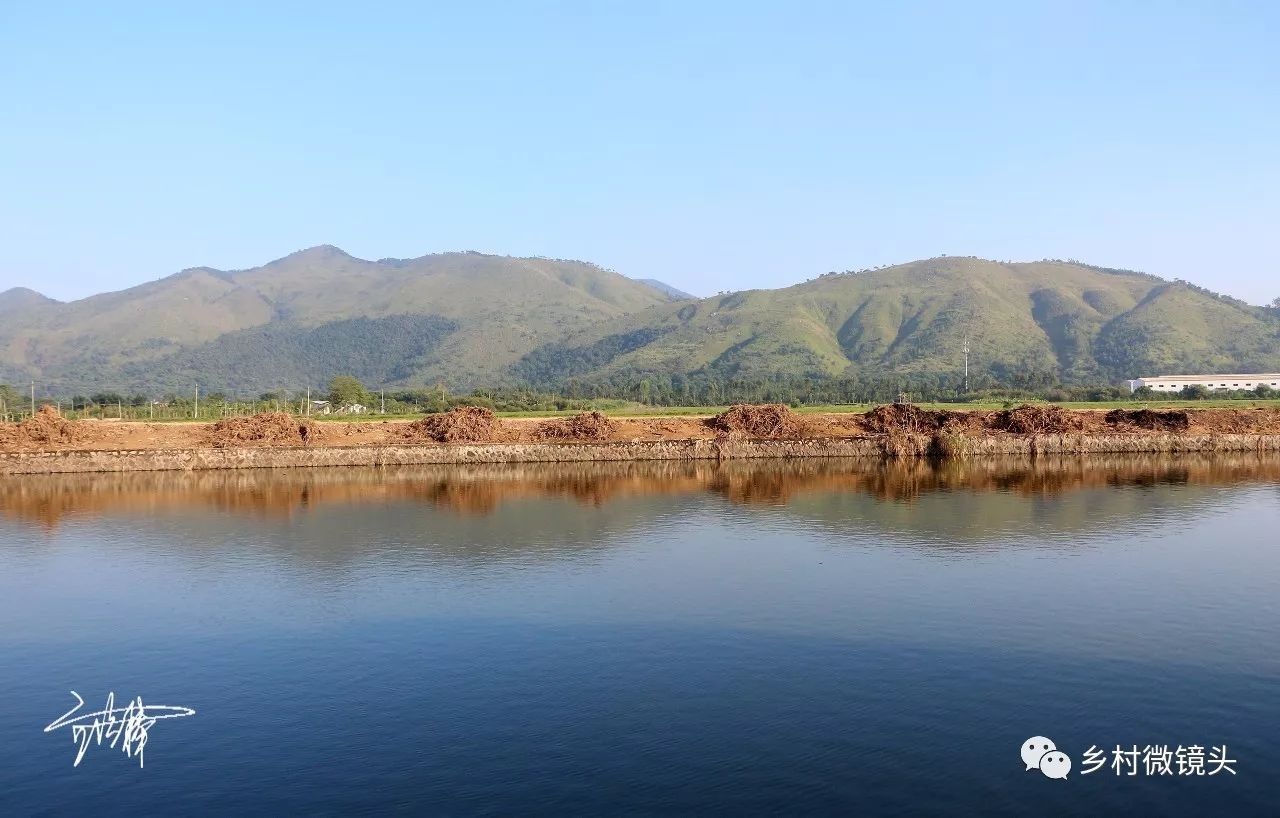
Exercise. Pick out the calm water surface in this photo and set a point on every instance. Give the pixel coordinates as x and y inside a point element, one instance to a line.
<point>817,637</point>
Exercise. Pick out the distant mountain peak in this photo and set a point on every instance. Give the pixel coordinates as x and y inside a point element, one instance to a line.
<point>23,292</point>
<point>321,252</point>
<point>20,298</point>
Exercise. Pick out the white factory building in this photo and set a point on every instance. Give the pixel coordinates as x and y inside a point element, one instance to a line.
<point>1175,383</point>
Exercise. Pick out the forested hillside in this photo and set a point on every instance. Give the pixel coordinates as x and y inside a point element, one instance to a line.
<point>1042,322</point>
<point>467,320</point>
<point>460,317</point>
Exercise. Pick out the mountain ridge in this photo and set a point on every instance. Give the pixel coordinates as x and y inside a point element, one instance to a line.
<point>498,306</point>
<point>1047,321</point>
<point>473,319</point>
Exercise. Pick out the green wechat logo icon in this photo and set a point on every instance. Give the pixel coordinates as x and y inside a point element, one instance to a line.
<point>1040,753</point>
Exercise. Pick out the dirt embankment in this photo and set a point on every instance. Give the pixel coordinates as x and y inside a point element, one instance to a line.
<point>1168,421</point>
<point>765,421</point>
<point>900,429</point>
<point>268,429</point>
<point>587,426</point>
<point>45,429</point>
<point>465,424</point>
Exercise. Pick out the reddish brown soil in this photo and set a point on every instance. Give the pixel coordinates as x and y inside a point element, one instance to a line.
<point>465,424</point>
<point>267,429</point>
<point>904,418</point>
<point>1247,421</point>
<point>45,429</point>
<point>765,421</point>
<point>587,426</point>
<point>900,426</point>
<point>1028,419</point>
<point>1169,421</point>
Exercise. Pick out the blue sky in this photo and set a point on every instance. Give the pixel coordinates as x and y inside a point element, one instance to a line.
<point>715,146</point>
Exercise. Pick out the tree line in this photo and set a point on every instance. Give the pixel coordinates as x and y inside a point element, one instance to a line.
<point>346,391</point>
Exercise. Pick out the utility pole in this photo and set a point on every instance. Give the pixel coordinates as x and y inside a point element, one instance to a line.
<point>384,401</point>
<point>966,363</point>
<point>196,416</point>
<point>307,406</point>
<point>33,399</point>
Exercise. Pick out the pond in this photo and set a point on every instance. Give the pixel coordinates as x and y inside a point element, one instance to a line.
<point>804,636</point>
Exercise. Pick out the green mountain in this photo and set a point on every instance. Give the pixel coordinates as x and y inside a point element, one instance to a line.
<point>470,319</point>
<point>1056,320</point>
<point>465,318</point>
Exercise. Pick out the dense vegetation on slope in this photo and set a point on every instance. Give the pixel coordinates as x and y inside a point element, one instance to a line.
<point>1041,322</point>
<point>246,329</point>
<point>467,319</point>
<point>375,350</point>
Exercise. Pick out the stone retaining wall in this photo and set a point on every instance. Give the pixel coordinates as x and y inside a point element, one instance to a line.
<point>300,456</point>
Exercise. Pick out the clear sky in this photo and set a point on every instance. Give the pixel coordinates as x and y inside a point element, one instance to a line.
<point>714,145</point>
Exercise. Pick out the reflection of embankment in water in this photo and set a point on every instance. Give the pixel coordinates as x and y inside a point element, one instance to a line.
<point>481,489</point>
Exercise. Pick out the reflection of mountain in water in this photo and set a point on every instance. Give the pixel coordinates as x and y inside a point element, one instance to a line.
<point>478,511</point>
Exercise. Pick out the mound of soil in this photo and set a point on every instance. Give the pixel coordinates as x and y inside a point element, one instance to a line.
<point>1172,420</point>
<point>1029,419</point>
<point>1256,421</point>
<point>47,427</point>
<point>463,424</point>
<point>266,429</point>
<point>765,421</point>
<point>584,426</point>
<point>897,418</point>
